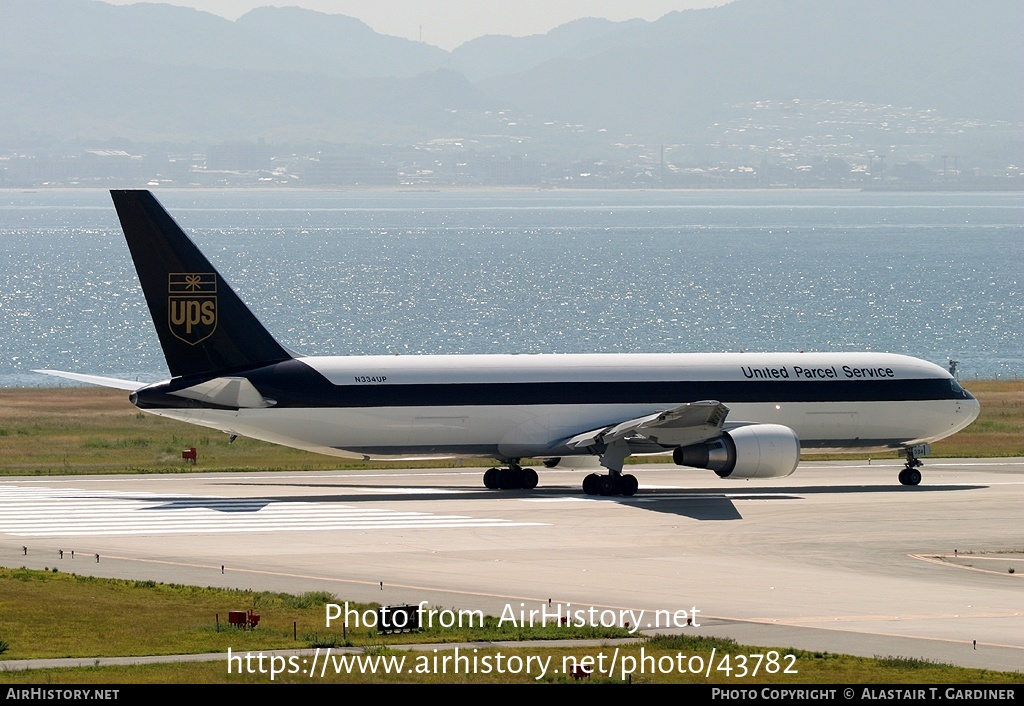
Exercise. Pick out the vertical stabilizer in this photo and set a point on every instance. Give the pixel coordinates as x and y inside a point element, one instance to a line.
<point>202,324</point>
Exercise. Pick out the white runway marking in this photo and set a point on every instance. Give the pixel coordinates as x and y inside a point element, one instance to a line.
<point>72,512</point>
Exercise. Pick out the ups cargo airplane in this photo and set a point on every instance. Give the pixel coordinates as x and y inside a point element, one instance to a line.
<point>741,415</point>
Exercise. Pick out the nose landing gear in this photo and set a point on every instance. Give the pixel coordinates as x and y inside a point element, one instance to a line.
<point>910,475</point>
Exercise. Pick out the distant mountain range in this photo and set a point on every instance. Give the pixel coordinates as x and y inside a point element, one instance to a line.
<point>83,69</point>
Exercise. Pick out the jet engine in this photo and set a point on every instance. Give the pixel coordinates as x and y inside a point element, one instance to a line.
<point>752,451</point>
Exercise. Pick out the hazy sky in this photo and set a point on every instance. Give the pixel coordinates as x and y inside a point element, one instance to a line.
<point>449,23</point>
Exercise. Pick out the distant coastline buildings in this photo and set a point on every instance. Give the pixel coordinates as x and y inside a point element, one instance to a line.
<point>792,144</point>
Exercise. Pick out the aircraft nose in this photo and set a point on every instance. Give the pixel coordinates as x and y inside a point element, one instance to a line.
<point>967,410</point>
<point>972,407</point>
<point>968,404</point>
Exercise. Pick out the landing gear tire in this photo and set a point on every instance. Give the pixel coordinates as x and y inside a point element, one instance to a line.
<point>528,479</point>
<point>491,479</point>
<point>628,485</point>
<point>508,479</point>
<point>590,484</point>
<point>910,476</point>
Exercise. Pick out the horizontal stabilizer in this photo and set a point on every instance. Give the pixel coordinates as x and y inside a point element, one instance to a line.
<point>679,426</point>
<point>238,393</point>
<point>116,383</point>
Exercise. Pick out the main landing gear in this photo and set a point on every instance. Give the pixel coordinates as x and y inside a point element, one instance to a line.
<point>615,483</point>
<point>611,484</point>
<point>910,475</point>
<point>513,477</point>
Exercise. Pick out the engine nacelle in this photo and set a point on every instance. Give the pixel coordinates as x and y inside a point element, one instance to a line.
<point>753,451</point>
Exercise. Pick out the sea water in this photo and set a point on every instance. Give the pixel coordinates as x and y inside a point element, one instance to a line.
<point>933,275</point>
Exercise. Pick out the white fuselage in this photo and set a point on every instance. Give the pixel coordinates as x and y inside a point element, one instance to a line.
<point>516,406</point>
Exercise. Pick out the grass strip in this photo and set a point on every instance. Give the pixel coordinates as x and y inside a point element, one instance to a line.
<point>53,614</point>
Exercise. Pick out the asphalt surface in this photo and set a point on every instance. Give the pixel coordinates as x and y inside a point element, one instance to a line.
<point>838,557</point>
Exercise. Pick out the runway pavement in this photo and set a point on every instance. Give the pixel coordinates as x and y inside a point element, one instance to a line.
<point>838,557</point>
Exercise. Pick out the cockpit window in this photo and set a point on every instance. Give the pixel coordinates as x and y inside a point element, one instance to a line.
<point>958,389</point>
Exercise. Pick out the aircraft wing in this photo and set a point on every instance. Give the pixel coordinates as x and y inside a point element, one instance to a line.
<point>116,383</point>
<point>686,424</point>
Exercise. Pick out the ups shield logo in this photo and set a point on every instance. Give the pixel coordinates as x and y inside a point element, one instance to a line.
<point>192,305</point>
